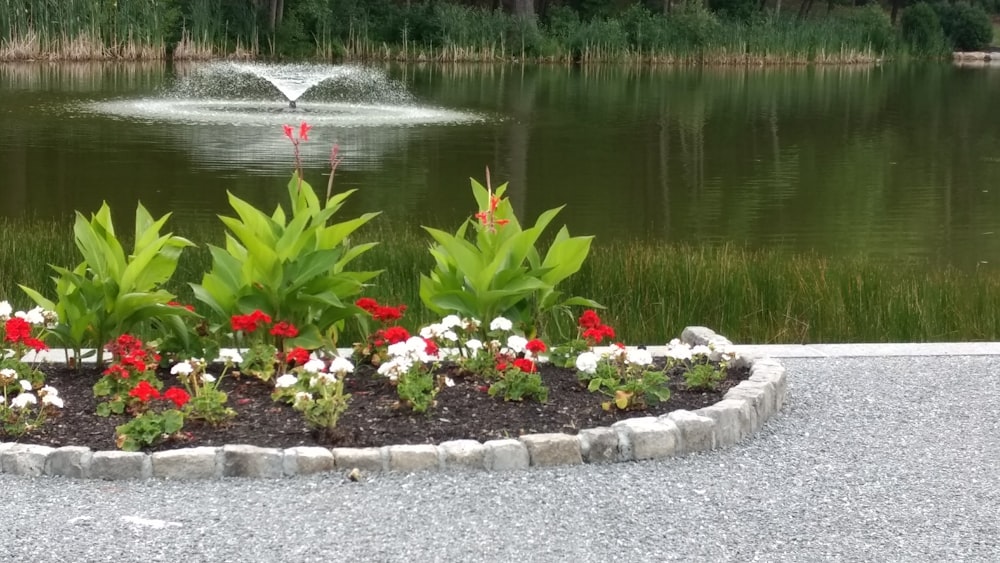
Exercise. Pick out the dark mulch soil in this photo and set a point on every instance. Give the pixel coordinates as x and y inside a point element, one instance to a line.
<point>463,411</point>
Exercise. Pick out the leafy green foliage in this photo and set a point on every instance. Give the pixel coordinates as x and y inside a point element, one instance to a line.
<point>515,384</point>
<point>703,376</point>
<point>496,270</point>
<point>148,428</point>
<point>921,29</point>
<point>417,388</point>
<point>625,377</point>
<point>110,292</point>
<point>291,267</point>
<point>966,27</point>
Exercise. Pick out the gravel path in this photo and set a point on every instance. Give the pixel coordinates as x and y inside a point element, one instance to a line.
<point>872,459</point>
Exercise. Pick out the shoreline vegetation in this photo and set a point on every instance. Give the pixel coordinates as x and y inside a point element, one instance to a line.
<point>652,290</point>
<point>750,32</point>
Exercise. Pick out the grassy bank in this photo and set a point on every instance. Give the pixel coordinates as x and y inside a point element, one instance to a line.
<point>651,291</point>
<point>440,31</point>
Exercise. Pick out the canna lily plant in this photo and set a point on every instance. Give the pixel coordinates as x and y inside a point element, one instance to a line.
<point>290,265</point>
<point>111,293</point>
<point>491,266</point>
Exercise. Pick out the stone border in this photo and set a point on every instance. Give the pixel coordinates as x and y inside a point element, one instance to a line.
<point>742,412</point>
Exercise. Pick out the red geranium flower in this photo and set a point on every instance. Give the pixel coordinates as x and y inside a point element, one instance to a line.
<point>367,303</point>
<point>284,330</point>
<point>179,396</point>
<point>525,365</point>
<point>144,392</point>
<point>394,334</point>
<point>117,370</point>
<point>589,319</point>
<point>535,346</point>
<point>35,344</point>
<point>17,329</point>
<point>431,347</point>
<point>297,356</point>
<point>501,366</point>
<point>385,314</point>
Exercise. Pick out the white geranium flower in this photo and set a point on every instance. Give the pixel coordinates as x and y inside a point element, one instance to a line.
<point>587,362</point>
<point>639,357</point>
<point>450,336</point>
<point>433,330</point>
<point>8,373</point>
<point>5,310</point>
<point>25,385</point>
<point>207,378</point>
<point>52,400</point>
<point>303,397</point>
<point>700,350</point>
<point>398,349</point>
<point>322,378</point>
<point>231,356</point>
<point>449,382</point>
<point>34,316</point>
<point>48,390</point>
<point>679,351</point>
<point>471,323</point>
<point>675,342</point>
<point>23,400</point>
<point>285,381</point>
<point>500,323</point>
<point>721,354</point>
<point>395,367</point>
<point>314,366</point>
<point>451,321</point>
<point>341,365</point>
<point>474,345</point>
<point>516,343</point>
<point>618,353</point>
<point>182,368</point>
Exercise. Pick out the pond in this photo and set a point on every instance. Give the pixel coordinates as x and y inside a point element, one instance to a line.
<point>893,161</point>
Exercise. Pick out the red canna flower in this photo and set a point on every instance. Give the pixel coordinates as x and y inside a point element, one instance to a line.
<point>304,131</point>
<point>288,132</point>
<point>179,396</point>
<point>144,392</point>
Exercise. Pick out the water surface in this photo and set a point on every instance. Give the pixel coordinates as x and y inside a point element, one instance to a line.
<point>890,161</point>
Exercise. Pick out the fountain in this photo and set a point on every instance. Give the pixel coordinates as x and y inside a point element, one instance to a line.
<point>245,94</point>
<point>245,104</point>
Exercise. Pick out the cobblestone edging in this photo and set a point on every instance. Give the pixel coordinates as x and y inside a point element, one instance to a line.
<point>743,411</point>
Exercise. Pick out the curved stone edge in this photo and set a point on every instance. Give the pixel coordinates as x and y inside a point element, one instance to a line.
<point>742,412</point>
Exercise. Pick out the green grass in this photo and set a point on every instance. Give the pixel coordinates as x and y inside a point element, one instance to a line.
<point>651,291</point>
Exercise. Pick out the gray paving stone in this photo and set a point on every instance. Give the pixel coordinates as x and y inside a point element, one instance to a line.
<point>69,461</point>
<point>506,455</point>
<point>113,465</point>
<point>411,458</point>
<point>732,420</point>
<point>756,395</point>
<point>462,454</point>
<point>365,459</point>
<point>703,336</point>
<point>250,461</point>
<point>771,370</point>
<point>188,463</point>
<point>546,450</point>
<point>599,445</point>
<point>646,438</point>
<point>697,432</point>
<point>25,459</point>
<point>307,460</point>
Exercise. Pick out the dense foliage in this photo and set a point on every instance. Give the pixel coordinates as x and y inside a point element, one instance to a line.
<point>673,30</point>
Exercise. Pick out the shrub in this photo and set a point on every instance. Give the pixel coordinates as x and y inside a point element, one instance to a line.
<point>966,27</point>
<point>874,25</point>
<point>921,29</point>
